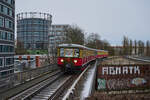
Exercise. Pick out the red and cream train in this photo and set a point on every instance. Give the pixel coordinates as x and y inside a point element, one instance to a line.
<point>74,57</point>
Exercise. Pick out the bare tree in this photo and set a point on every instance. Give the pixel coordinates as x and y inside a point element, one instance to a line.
<point>131,47</point>
<point>125,45</point>
<point>143,48</point>
<point>135,47</point>
<point>75,35</point>
<point>147,48</point>
<point>20,48</point>
<point>94,41</point>
<point>140,48</point>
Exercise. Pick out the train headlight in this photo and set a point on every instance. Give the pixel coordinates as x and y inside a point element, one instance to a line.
<point>62,60</point>
<point>75,61</point>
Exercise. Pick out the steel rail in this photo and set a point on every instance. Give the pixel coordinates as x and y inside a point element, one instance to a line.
<point>52,91</point>
<point>36,87</point>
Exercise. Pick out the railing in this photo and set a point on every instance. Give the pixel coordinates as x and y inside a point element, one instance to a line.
<point>74,90</point>
<point>144,59</point>
<point>22,77</point>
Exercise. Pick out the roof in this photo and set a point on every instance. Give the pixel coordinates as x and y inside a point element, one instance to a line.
<point>71,45</point>
<point>79,46</point>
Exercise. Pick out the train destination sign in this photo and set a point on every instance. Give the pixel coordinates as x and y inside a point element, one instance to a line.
<point>123,77</point>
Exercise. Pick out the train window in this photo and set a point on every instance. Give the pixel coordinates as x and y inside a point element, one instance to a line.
<point>68,52</point>
<point>76,52</point>
<point>61,52</point>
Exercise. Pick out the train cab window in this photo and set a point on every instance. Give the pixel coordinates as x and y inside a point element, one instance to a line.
<point>76,52</point>
<point>61,52</point>
<point>68,52</point>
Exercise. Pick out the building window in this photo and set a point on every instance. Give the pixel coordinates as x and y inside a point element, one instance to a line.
<point>9,61</point>
<point>4,73</point>
<point>8,24</point>
<point>6,36</point>
<point>10,1</point>
<point>1,35</point>
<point>6,48</point>
<point>11,13</point>
<point>1,8</point>
<point>1,22</point>
<point>6,10</point>
<point>1,62</point>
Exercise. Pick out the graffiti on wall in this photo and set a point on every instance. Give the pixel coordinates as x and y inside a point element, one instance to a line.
<point>115,84</point>
<point>138,81</point>
<point>101,84</point>
<point>115,77</point>
<point>120,70</point>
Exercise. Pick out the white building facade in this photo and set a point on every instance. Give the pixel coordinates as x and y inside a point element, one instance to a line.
<point>56,37</point>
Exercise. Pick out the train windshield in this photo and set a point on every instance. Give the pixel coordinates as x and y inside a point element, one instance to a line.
<point>76,52</point>
<point>69,52</point>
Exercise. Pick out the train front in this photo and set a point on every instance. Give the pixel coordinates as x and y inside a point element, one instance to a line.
<point>69,59</point>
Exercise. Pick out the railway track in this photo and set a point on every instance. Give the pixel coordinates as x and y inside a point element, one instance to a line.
<point>60,87</point>
<point>52,91</point>
<point>34,89</point>
<point>53,88</point>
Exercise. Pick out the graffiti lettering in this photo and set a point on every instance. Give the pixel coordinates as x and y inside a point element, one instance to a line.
<point>120,70</point>
<point>138,81</point>
<point>113,84</point>
<point>101,84</point>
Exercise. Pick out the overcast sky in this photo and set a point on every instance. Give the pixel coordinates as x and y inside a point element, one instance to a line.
<point>112,19</point>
